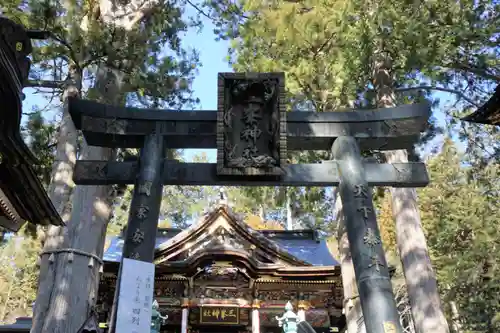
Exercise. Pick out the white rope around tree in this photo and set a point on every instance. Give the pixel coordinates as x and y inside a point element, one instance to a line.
<point>72,252</point>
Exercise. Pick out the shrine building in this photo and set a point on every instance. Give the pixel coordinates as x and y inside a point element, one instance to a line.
<point>220,275</point>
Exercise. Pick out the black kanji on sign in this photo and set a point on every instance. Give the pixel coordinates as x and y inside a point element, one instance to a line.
<point>251,131</point>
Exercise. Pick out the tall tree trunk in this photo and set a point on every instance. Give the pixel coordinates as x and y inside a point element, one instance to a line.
<point>75,277</point>
<point>352,304</point>
<point>420,277</point>
<point>455,318</point>
<point>68,282</point>
<point>262,213</point>
<point>60,190</point>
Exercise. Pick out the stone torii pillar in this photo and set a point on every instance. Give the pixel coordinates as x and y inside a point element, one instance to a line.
<point>140,238</point>
<point>372,273</point>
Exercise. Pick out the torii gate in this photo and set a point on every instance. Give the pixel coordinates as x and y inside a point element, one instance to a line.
<point>252,134</point>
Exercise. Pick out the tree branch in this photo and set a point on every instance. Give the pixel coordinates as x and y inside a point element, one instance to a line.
<point>92,61</point>
<point>127,16</point>
<point>52,145</point>
<point>452,91</point>
<point>45,84</point>
<point>200,11</point>
<point>323,45</point>
<point>477,71</point>
<point>70,49</point>
<point>307,89</point>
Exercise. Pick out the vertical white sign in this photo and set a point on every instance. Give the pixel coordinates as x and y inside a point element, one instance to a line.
<point>135,297</point>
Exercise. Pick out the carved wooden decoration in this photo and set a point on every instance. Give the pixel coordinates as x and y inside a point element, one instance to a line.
<point>251,124</point>
<point>318,318</point>
<point>268,317</point>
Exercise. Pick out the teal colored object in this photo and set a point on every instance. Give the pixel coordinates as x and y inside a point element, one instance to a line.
<point>289,320</point>
<point>156,318</point>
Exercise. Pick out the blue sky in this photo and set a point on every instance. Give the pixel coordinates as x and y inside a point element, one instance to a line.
<point>212,58</point>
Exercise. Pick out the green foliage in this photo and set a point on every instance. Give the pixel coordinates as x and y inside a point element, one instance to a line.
<point>156,70</point>
<point>183,205</point>
<point>328,49</point>
<point>460,213</point>
<point>40,135</point>
<point>256,223</point>
<point>311,207</point>
<point>18,276</point>
<point>386,224</point>
<point>179,208</point>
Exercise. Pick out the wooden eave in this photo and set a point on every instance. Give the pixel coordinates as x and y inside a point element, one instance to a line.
<point>9,218</point>
<point>178,243</point>
<point>22,196</point>
<point>281,281</point>
<point>254,268</point>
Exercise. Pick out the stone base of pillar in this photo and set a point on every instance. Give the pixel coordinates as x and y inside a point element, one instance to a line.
<point>255,316</point>
<point>184,321</point>
<point>301,314</point>
<point>255,321</point>
<point>354,317</point>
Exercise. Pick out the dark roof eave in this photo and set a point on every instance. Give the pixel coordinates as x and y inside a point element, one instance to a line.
<point>489,112</point>
<point>23,196</point>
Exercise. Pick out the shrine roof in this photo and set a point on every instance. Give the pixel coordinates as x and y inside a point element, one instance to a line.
<point>302,244</point>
